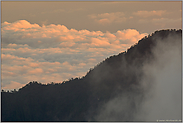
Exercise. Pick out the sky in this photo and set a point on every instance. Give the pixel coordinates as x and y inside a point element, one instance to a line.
<point>55,41</point>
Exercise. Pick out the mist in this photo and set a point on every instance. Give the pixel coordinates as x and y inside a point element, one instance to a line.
<point>157,96</point>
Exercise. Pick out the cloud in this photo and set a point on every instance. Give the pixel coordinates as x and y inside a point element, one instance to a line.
<point>67,44</point>
<point>129,34</point>
<point>162,22</point>
<point>146,14</point>
<point>166,84</point>
<point>107,18</point>
<point>110,36</point>
<point>59,35</point>
<point>166,20</point>
<point>12,45</point>
<point>52,51</point>
<point>13,85</point>
<point>18,25</point>
<point>36,71</point>
<point>100,42</point>
<point>24,70</point>
<point>33,65</point>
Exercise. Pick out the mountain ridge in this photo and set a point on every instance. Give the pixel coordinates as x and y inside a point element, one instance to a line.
<point>80,99</point>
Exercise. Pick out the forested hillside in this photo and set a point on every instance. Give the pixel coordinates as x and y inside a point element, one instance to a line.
<point>87,98</point>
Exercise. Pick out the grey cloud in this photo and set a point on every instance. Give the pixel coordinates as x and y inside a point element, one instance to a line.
<point>159,96</point>
<point>165,103</point>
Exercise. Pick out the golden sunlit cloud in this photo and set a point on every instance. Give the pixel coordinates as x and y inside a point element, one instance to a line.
<point>57,53</point>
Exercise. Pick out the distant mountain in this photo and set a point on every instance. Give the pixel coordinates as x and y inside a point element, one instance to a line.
<point>86,98</point>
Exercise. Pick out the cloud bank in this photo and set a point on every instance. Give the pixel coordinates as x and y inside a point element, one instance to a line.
<point>55,53</point>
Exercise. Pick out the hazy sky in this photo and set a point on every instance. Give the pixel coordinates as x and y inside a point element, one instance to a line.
<point>143,16</point>
<point>55,41</point>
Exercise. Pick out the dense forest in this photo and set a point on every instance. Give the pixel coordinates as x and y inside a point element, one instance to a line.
<point>83,99</point>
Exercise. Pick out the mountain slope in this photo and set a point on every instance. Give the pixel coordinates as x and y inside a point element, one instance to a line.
<point>117,80</point>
